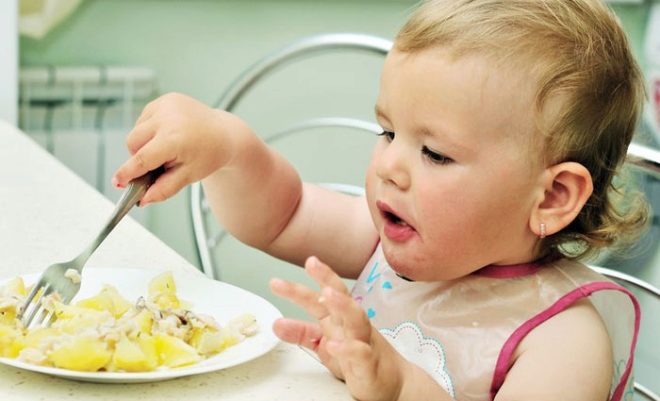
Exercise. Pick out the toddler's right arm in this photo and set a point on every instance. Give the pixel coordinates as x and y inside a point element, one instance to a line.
<point>252,190</point>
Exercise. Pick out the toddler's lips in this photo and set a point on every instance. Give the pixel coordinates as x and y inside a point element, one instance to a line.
<point>395,228</point>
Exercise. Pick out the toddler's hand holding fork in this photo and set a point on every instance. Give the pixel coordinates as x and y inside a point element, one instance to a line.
<point>190,139</point>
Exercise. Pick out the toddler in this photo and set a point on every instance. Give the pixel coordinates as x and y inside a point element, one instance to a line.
<point>504,122</point>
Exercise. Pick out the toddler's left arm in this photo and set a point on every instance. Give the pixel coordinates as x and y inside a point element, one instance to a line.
<point>568,357</point>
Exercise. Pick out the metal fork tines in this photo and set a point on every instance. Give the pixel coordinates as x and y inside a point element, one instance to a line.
<point>55,284</point>
<point>61,281</point>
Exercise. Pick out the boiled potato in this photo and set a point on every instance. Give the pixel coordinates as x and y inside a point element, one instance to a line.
<point>162,291</point>
<point>10,294</point>
<point>74,319</point>
<point>14,287</point>
<point>86,354</point>
<point>174,352</point>
<point>8,317</point>
<point>135,355</point>
<point>11,341</point>
<point>144,321</point>
<point>34,338</point>
<point>209,342</point>
<point>109,300</point>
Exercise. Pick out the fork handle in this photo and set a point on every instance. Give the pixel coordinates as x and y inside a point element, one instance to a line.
<point>131,196</point>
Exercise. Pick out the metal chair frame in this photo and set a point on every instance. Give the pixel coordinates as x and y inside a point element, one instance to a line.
<point>640,157</point>
<point>305,48</point>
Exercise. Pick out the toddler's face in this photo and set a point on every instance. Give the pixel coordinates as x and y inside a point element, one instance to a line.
<point>452,183</point>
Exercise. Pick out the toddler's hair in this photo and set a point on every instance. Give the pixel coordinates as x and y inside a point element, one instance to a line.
<point>579,56</point>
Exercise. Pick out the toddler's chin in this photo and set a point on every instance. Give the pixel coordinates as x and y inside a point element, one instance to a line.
<point>402,269</point>
<point>411,271</point>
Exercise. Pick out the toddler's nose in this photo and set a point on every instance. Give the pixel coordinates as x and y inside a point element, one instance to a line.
<point>392,166</point>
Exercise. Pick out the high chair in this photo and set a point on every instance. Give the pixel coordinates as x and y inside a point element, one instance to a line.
<point>209,236</point>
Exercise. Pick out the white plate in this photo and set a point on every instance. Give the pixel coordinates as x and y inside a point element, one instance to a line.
<point>220,300</point>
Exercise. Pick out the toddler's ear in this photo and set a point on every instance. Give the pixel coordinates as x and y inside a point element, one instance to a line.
<point>567,187</point>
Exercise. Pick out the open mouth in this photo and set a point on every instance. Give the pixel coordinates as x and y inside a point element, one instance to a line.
<point>390,215</point>
<point>394,222</point>
<point>393,218</point>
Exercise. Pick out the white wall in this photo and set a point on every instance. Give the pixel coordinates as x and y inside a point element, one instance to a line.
<point>8,60</point>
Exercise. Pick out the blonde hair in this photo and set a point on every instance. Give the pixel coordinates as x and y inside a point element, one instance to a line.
<point>579,56</point>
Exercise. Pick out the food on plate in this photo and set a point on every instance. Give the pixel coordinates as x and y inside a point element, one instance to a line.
<point>106,332</point>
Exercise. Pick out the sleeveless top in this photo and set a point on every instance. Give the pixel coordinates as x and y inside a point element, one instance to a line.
<point>464,332</point>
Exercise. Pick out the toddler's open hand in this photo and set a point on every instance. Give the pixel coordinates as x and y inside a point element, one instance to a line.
<point>343,338</point>
<point>188,138</point>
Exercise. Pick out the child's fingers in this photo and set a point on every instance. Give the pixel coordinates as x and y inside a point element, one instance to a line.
<point>298,332</point>
<point>300,295</point>
<point>344,309</point>
<point>151,156</point>
<point>141,133</point>
<point>308,335</point>
<point>168,184</point>
<point>324,275</point>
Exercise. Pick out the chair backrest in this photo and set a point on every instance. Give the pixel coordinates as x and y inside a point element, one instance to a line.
<point>208,234</point>
<point>203,226</point>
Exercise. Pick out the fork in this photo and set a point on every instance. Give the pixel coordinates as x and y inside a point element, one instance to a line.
<point>63,278</point>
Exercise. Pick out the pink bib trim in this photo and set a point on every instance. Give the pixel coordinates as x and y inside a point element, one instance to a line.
<point>508,271</point>
<point>504,358</point>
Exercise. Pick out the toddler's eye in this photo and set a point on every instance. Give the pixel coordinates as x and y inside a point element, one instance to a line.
<point>435,157</point>
<point>389,135</point>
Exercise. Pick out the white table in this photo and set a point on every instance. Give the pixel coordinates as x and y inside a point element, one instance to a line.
<point>48,214</point>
